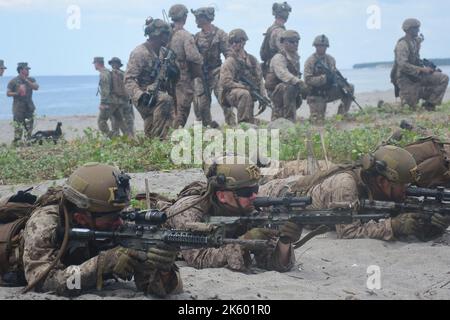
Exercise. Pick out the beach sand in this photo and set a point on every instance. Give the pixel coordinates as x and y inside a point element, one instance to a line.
<point>326,268</point>
<point>73,126</point>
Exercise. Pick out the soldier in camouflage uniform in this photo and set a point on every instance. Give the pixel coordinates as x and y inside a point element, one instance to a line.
<point>323,90</point>
<point>382,176</point>
<point>413,80</point>
<point>283,81</point>
<point>189,61</point>
<point>21,89</point>
<point>108,111</point>
<point>231,189</point>
<point>212,42</point>
<point>272,38</point>
<point>239,64</point>
<point>120,98</point>
<point>92,198</point>
<point>141,76</point>
<point>2,68</point>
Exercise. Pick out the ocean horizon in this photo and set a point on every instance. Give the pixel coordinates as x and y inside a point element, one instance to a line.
<point>76,95</point>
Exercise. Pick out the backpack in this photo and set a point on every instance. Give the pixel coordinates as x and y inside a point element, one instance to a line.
<point>14,213</point>
<point>117,84</point>
<point>266,52</point>
<point>433,162</point>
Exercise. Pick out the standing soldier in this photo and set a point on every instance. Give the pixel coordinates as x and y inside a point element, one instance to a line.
<point>412,79</point>
<point>323,87</point>
<point>120,101</point>
<point>145,72</point>
<point>211,42</point>
<point>272,41</point>
<point>104,89</point>
<point>21,89</point>
<point>238,66</point>
<point>284,78</point>
<point>189,61</point>
<point>2,68</point>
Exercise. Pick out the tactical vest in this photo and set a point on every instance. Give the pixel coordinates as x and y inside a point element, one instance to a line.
<point>266,52</point>
<point>117,84</point>
<point>13,218</point>
<point>272,80</point>
<point>433,162</point>
<point>414,58</point>
<point>211,56</point>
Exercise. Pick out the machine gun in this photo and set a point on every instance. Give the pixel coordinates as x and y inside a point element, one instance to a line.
<point>264,102</point>
<point>143,231</point>
<point>163,72</point>
<point>337,79</point>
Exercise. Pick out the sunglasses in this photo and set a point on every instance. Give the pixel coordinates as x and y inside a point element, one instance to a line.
<point>247,192</point>
<point>293,41</point>
<point>108,215</point>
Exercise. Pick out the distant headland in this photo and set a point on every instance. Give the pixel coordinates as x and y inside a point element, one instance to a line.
<point>388,64</point>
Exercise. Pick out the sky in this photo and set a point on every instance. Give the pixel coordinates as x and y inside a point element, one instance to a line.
<point>61,37</point>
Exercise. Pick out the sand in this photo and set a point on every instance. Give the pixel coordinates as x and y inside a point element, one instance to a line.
<point>326,268</point>
<point>73,126</point>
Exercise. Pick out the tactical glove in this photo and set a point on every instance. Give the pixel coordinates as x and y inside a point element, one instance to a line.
<point>161,257</point>
<point>440,221</point>
<point>290,232</point>
<point>260,234</point>
<point>119,261</point>
<point>408,224</point>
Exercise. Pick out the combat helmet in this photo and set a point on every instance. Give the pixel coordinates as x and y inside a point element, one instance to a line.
<point>321,40</point>
<point>289,34</point>
<point>156,27</point>
<point>395,164</point>
<point>231,173</point>
<point>410,23</point>
<point>236,35</point>
<point>207,12</point>
<point>98,188</point>
<point>178,11</point>
<point>281,10</point>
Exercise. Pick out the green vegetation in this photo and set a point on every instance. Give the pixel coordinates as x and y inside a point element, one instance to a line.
<point>344,141</point>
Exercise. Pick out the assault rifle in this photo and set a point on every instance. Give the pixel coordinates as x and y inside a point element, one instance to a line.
<point>205,82</point>
<point>264,102</point>
<point>337,79</point>
<point>439,195</point>
<point>430,64</point>
<point>161,74</point>
<point>143,231</point>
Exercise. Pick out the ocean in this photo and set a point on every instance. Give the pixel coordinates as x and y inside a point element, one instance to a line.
<point>76,95</point>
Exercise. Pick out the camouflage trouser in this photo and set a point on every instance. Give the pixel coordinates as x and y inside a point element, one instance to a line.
<point>122,120</point>
<point>114,113</point>
<point>430,88</point>
<point>286,101</point>
<point>23,118</point>
<point>243,101</point>
<point>318,104</point>
<point>159,119</point>
<point>202,104</point>
<point>185,96</point>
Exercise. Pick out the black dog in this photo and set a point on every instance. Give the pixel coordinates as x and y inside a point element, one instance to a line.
<point>53,135</point>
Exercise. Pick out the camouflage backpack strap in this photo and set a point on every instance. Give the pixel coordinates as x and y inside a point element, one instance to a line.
<point>51,197</point>
<point>197,188</point>
<point>291,67</point>
<point>305,184</point>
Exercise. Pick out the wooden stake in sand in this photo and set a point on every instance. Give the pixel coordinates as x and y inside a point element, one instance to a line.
<point>324,151</point>
<point>147,195</point>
